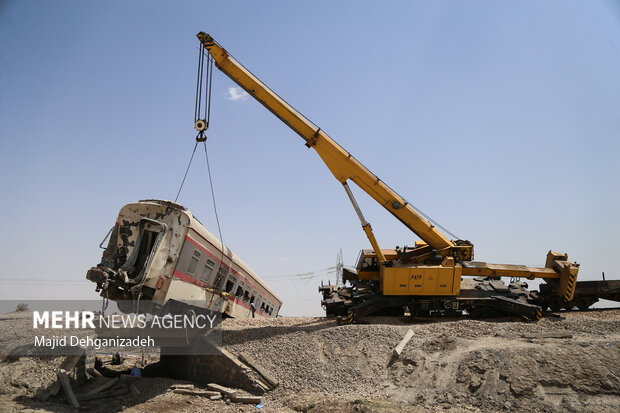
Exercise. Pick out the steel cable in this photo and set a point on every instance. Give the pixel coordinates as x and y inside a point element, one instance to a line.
<point>217,219</point>
<point>186,171</point>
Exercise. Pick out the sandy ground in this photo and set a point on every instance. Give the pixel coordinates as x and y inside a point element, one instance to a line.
<point>449,365</point>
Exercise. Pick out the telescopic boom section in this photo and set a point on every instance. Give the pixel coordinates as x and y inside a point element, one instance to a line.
<point>340,162</point>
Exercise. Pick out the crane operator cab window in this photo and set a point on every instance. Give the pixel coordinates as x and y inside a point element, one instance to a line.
<point>367,263</point>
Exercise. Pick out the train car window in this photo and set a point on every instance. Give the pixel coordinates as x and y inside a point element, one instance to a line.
<point>230,284</point>
<point>207,271</point>
<point>252,299</point>
<point>270,311</point>
<point>262,307</point>
<point>246,296</point>
<point>221,276</point>
<point>239,292</point>
<point>193,263</point>
<point>221,273</point>
<point>266,308</point>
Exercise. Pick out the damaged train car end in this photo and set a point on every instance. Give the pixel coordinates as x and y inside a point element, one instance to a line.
<point>159,256</point>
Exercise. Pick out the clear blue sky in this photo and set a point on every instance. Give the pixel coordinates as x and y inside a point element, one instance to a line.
<point>501,120</point>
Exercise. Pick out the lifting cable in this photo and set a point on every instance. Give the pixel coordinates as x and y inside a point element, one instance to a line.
<point>186,171</point>
<point>217,219</point>
<point>202,115</point>
<point>200,125</point>
<point>304,275</point>
<point>432,221</point>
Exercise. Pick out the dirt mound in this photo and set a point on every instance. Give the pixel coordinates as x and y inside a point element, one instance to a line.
<point>490,366</point>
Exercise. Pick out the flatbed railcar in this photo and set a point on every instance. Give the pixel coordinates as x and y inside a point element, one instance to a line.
<point>160,256</point>
<point>586,294</point>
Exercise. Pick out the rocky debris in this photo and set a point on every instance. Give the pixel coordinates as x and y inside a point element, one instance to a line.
<point>216,392</point>
<point>448,365</point>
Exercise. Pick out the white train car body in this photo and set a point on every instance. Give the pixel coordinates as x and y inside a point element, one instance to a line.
<point>159,255</point>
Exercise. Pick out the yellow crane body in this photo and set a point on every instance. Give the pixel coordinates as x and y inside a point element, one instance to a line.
<point>441,280</point>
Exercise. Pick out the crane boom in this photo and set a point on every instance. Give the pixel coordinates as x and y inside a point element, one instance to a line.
<point>340,162</point>
<point>424,277</point>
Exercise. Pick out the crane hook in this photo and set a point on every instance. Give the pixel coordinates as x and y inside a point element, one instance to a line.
<point>201,126</point>
<point>201,137</point>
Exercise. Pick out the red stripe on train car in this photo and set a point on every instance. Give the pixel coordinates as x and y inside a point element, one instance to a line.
<point>197,245</point>
<point>189,279</point>
<point>247,306</point>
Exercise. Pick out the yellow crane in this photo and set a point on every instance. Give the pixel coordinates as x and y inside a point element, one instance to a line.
<point>427,277</point>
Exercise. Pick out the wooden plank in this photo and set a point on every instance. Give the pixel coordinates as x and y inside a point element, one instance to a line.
<point>105,386</point>
<point>247,359</point>
<point>224,390</point>
<point>247,399</point>
<point>399,348</point>
<point>197,392</point>
<point>64,380</point>
<point>547,335</point>
<point>264,386</point>
<point>182,386</point>
<point>104,395</point>
<point>93,372</point>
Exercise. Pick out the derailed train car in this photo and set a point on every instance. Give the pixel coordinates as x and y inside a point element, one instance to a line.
<point>160,256</point>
